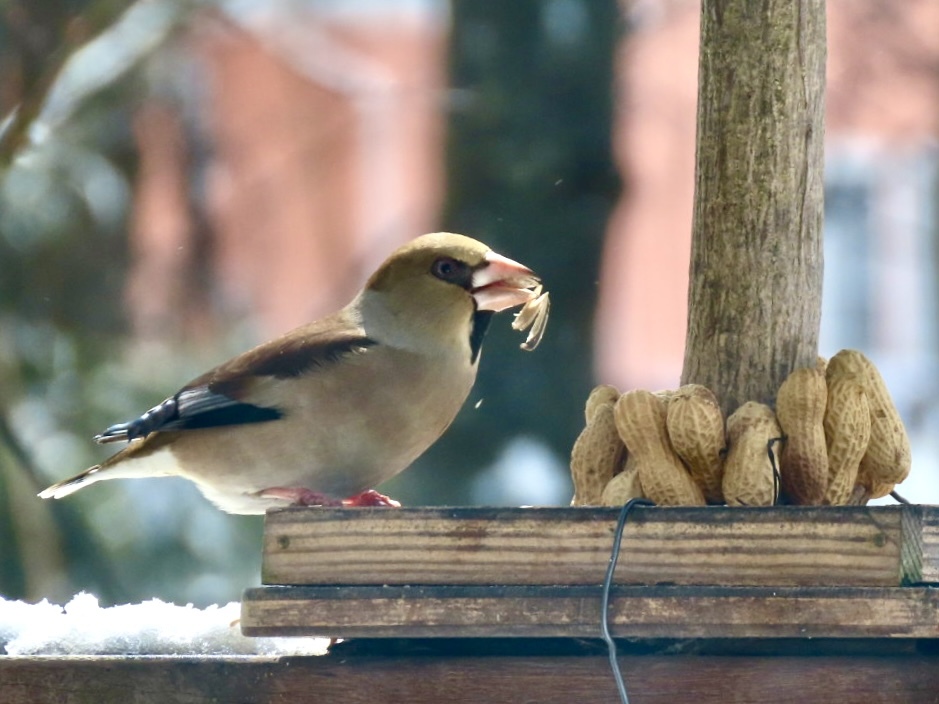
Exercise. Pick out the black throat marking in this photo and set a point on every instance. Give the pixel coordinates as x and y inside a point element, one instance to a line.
<point>481,320</point>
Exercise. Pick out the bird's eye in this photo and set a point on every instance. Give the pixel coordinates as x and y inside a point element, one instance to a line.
<point>451,270</point>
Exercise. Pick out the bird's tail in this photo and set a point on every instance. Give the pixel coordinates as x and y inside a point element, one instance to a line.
<point>139,459</point>
<point>72,484</point>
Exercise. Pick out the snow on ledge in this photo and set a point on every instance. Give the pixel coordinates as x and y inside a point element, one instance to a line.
<point>154,627</point>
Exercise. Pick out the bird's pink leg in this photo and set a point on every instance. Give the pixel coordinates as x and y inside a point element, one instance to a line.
<point>298,496</point>
<point>371,498</point>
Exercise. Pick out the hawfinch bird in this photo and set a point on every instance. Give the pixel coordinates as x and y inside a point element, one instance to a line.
<point>336,407</point>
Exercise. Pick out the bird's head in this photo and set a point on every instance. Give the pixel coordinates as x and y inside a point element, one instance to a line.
<point>444,286</point>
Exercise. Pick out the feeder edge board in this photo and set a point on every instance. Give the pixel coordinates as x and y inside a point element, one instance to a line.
<point>468,679</point>
<point>875,546</point>
<point>574,612</point>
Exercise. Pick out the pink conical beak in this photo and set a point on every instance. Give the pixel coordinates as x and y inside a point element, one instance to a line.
<point>501,283</point>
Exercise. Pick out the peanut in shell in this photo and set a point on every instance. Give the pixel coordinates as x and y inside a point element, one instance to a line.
<point>800,409</point>
<point>623,487</point>
<point>888,458</point>
<point>601,395</point>
<point>597,455</point>
<point>749,474</point>
<point>847,433</point>
<point>696,432</point>
<point>641,421</point>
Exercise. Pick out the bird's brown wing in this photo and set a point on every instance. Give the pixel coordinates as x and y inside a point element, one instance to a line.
<point>222,396</point>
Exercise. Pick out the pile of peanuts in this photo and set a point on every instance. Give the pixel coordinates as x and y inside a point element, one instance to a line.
<point>835,438</point>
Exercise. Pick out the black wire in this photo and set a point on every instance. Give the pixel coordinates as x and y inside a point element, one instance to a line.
<point>605,598</point>
<point>899,498</point>
<point>777,480</point>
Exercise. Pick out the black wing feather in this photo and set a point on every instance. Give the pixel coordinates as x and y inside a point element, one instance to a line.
<point>211,400</point>
<point>188,410</point>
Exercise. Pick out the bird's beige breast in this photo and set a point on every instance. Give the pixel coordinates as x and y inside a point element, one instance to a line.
<point>347,428</point>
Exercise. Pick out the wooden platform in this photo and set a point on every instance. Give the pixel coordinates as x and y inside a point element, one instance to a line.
<point>716,572</point>
<point>518,672</point>
<point>711,605</point>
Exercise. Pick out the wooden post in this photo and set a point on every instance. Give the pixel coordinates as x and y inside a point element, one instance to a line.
<point>756,260</point>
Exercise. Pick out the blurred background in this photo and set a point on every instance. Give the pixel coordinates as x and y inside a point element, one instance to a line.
<point>181,179</point>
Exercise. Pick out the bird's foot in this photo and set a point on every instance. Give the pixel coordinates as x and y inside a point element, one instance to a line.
<point>298,496</point>
<point>371,498</point>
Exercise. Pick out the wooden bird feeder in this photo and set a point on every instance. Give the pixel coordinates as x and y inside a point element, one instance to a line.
<point>783,604</point>
<point>707,572</point>
<point>712,604</point>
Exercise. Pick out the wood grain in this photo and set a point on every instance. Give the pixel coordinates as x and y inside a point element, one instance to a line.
<point>775,546</point>
<point>574,612</point>
<point>458,679</point>
<point>928,546</point>
<point>755,287</point>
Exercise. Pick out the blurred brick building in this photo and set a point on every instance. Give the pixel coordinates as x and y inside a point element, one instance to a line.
<point>322,136</point>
